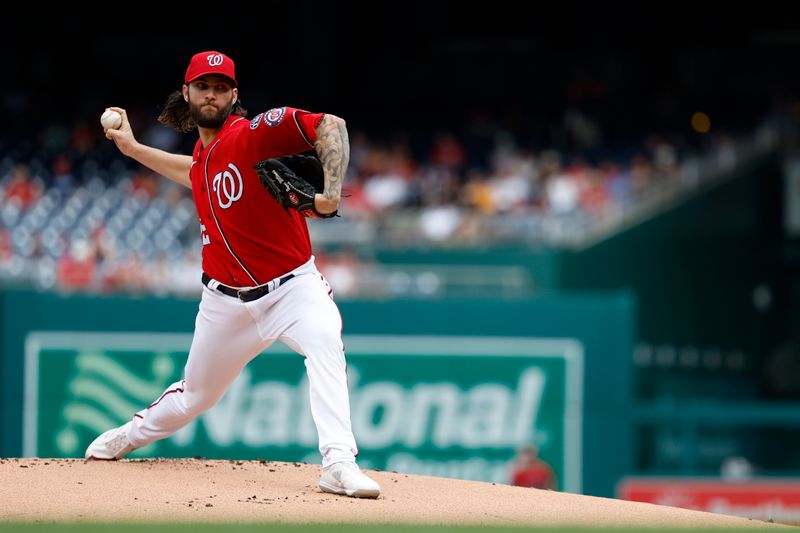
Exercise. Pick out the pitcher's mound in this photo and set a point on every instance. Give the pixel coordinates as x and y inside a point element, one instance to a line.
<point>187,490</point>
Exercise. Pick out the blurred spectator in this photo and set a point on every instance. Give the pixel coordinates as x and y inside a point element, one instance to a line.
<point>563,194</point>
<point>595,196</point>
<point>387,186</point>
<point>128,272</point>
<point>616,183</point>
<point>357,205</point>
<point>437,186</point>
<point>63,179</point>
<point>448,152</point>
<point>21,187</point>
<point>76,269</point>
<point>145,184</point>
<point>477,193</point>
<point>439,223</point>
<point>640,175</point>
<point>665,160</point>
<point>6,252</point>
<point>530,471</point>
<point>511,186</point>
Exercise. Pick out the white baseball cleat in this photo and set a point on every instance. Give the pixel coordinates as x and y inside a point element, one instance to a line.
<point>111,445</point>
<point>346,478</point>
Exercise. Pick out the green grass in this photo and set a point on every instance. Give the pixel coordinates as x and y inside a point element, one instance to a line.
<point>308,528</point>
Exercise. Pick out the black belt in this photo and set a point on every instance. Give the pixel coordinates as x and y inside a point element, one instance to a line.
<point>247,295</point>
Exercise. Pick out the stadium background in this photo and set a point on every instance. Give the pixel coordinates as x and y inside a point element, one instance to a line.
<point>626,188</point>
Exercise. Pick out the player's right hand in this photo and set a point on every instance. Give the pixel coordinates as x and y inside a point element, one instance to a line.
<point>122,136</point>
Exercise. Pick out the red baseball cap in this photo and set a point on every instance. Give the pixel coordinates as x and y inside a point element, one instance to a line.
<point>210,62</point>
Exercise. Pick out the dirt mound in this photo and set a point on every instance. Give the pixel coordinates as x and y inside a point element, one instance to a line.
<point>189,490</point>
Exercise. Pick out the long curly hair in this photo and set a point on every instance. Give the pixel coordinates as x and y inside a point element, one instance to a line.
<point>176,113</point>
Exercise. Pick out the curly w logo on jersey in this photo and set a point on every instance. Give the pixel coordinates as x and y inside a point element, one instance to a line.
<point>229,186</point>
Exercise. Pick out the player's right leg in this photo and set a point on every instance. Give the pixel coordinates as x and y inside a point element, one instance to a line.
<point>225,339</point>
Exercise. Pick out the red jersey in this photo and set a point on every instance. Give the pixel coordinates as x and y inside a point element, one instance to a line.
<point>248,239</point>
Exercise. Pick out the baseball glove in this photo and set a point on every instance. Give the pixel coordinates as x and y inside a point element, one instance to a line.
<point>293,181</point>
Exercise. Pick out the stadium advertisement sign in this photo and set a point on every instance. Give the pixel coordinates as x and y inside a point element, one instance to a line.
<point>447,406</point>
<point>761,499</point>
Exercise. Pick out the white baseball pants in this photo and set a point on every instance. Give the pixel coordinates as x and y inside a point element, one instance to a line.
<point>229,333</point>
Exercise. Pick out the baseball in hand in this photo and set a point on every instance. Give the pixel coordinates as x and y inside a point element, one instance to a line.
<point>111,120</point>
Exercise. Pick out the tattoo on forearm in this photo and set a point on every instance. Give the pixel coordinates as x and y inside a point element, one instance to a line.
<point>333,148</point>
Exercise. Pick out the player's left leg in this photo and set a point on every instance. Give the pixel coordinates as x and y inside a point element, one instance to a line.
<point>302,314</point>
<point>308,321</point>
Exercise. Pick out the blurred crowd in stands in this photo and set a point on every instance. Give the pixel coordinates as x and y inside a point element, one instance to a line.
<point>78,216</point>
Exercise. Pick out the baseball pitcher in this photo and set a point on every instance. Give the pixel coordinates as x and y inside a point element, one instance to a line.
<point>259,280</point>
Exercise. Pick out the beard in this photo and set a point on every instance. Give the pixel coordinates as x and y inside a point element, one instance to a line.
<point>205,119</point>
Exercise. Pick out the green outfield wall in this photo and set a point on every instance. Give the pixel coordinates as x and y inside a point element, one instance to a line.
<point>448,388</point>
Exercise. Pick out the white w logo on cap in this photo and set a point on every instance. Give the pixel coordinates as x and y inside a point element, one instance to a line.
<point>214,60</point>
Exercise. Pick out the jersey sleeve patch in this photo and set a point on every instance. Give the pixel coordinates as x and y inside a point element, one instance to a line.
<point>274,116</point>
<point>256,121</point>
